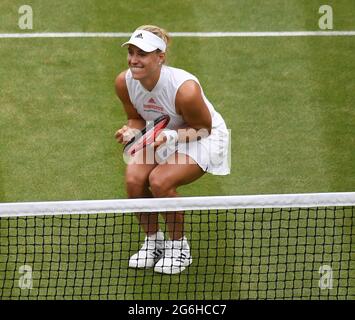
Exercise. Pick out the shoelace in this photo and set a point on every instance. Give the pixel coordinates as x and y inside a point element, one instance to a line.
<point>149,244</point>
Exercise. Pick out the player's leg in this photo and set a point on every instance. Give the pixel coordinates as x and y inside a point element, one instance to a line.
<point>164,180</point>
<point>137,186</point>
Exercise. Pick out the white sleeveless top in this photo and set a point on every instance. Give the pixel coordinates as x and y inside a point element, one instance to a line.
<point>161,100</point>
<point>211,153</point>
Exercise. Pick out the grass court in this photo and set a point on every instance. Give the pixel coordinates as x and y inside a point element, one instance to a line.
<point>288,101</point>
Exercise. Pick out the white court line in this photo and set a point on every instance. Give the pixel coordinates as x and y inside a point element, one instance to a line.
<point>178,34</point>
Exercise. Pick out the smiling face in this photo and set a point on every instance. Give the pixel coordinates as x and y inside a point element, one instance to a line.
<point>145,66</point>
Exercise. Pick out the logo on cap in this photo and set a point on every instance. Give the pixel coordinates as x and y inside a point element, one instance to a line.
<point>139,35</point>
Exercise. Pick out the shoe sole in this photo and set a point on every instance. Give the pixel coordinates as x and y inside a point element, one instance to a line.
<point>140,267</point>
<point>172,270</point>
<point>135,265</point>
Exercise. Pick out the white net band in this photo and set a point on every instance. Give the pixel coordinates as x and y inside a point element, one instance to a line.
<point>304,200</point>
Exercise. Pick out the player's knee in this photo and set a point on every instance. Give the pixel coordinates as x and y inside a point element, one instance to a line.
<point>135,184</point>
<point>160,186</point>
<point>155,183</point>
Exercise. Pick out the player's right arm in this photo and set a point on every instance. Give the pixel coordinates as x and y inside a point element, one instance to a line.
<point>134,120</point>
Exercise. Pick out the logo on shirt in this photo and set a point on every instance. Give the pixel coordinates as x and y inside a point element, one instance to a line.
<point>152,106</point>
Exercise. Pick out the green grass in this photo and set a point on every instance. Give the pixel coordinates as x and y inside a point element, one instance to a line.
<point>187,15</point>
<point>288,103</point>
<point>289,112</point>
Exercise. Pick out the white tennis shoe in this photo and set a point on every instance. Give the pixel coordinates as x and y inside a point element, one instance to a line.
<point>151,251</point>
<point>176,257</point>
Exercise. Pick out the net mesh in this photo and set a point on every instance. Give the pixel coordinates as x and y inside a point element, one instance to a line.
<point>260,253</point>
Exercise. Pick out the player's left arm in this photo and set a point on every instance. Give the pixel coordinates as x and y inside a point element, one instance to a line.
<point>190,105</point>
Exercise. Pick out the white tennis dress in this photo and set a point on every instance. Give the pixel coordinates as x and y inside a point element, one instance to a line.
<point>212,152</point>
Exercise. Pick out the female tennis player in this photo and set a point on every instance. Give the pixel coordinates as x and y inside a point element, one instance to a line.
<point>194,142</point>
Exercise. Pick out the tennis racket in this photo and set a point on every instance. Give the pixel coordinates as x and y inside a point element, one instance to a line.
<point>146,136</point>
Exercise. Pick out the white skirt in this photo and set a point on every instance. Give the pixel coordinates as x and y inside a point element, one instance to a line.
<point>212,153</point>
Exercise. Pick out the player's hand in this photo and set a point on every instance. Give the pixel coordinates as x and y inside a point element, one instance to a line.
<point>124,134</point>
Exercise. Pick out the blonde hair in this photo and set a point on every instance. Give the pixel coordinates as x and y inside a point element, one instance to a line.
<point>160,32</point>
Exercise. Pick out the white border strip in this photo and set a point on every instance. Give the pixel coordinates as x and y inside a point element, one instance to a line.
<point>178,204</point>
<point>177,34</point>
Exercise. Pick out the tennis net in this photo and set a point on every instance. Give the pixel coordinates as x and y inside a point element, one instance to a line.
<point>297,246</point>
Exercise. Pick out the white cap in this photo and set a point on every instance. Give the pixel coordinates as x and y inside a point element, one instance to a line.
<point>147,41</point>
